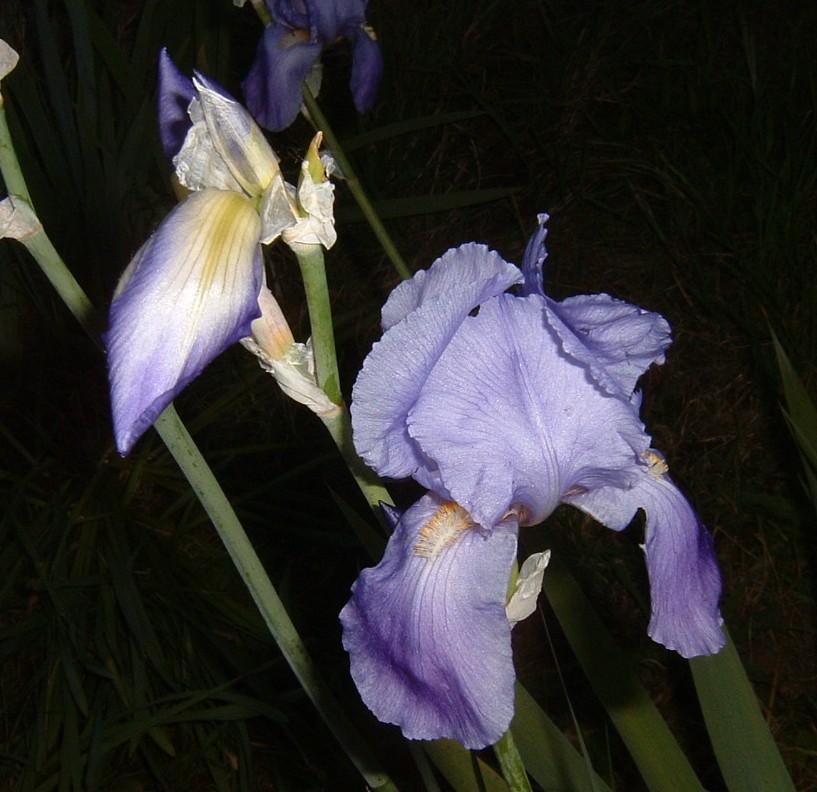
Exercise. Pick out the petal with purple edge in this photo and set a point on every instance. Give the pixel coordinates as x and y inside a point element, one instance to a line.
<point>273,86</point>
<point>176,91</point>
<point>508,419</point>
<point>426,630</point>
<point>431,306</point>
<point>685,582</point>
<point>190,292</point>
<point>367,68</point>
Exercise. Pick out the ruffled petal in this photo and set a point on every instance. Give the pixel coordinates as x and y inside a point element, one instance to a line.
<point>367,68</point>
<point>481,272</point>
<point>509,420</point>
<point>176,91</point>
<point>190,292</point>
<point>617,341</point>
<point>428,310</point>
<point>426,630</point>
<point>685,582</point>
<point>273,86</point>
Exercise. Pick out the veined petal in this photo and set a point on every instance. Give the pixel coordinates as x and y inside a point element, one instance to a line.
<point>685,583</point>
<point>509,420</point>
<point>237,138</point>
<point>367,68</point>
<point>190,292</point>
<point>445,278</point>
<point>176,91</point>
<point>426,630</point>
<point>617,341</point>
<point>273,86</point>
<point>421,315</point>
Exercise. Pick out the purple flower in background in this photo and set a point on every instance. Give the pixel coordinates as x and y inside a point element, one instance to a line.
<point>504,406</point>
<point>292,45</point>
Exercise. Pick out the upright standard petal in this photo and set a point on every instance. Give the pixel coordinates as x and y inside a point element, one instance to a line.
<point>426,629</point>
<point>176,91</point>
<point>367,68</point>
<point>273,86</point>
<point>427,310</point>
<point>509,420</point>
<point>190,292</point>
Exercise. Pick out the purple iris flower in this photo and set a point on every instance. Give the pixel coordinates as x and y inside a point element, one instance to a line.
<point>504,406</point>
<point>193,288</point>
<point>292,45</point>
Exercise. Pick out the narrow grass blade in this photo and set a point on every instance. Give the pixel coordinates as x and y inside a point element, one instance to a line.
<point>464,770</point>
<point>659,758</point>
<point>801,414</point>
<point>747,754</point>
<point>549,756</point>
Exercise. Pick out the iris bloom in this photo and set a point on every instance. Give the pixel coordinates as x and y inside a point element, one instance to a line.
<point>504,406</point>
<point>193,288</point>
<point>291,47</point>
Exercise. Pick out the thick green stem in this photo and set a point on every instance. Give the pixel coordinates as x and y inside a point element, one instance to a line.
<point>340,427</point>
<point>241,551</point>
<point>313,271</point>
<point>511,764</point>
<point>356,188</point>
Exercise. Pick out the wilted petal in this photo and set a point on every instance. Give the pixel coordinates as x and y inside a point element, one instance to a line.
<point>273,86</point>
<point>426,629</point>
<point>176,91</point>
<point>189,293</point>
<point>237,138</point>
<point>422,315</point>
<point>528,587</point>
<point>367,68</point>
<point>508,419</point>
<point>17,218</point>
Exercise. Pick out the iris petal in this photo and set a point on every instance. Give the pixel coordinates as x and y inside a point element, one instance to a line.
<point>685,582</point>
<point>427,311</point>
<point>427,634</point>
<point>508,419</point>
<point>190,292</point>
<point>367,68</point>
<point>273,86</point>
<point>617,341</point>
<point>176,91</point>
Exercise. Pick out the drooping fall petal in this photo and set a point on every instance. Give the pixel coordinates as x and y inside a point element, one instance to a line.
<point>426,629</point>
<point>189,293</point>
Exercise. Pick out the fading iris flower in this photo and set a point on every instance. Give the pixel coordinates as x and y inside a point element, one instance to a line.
<point>291,47</point>
<point>193,288</point>
<point>504,406</point>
